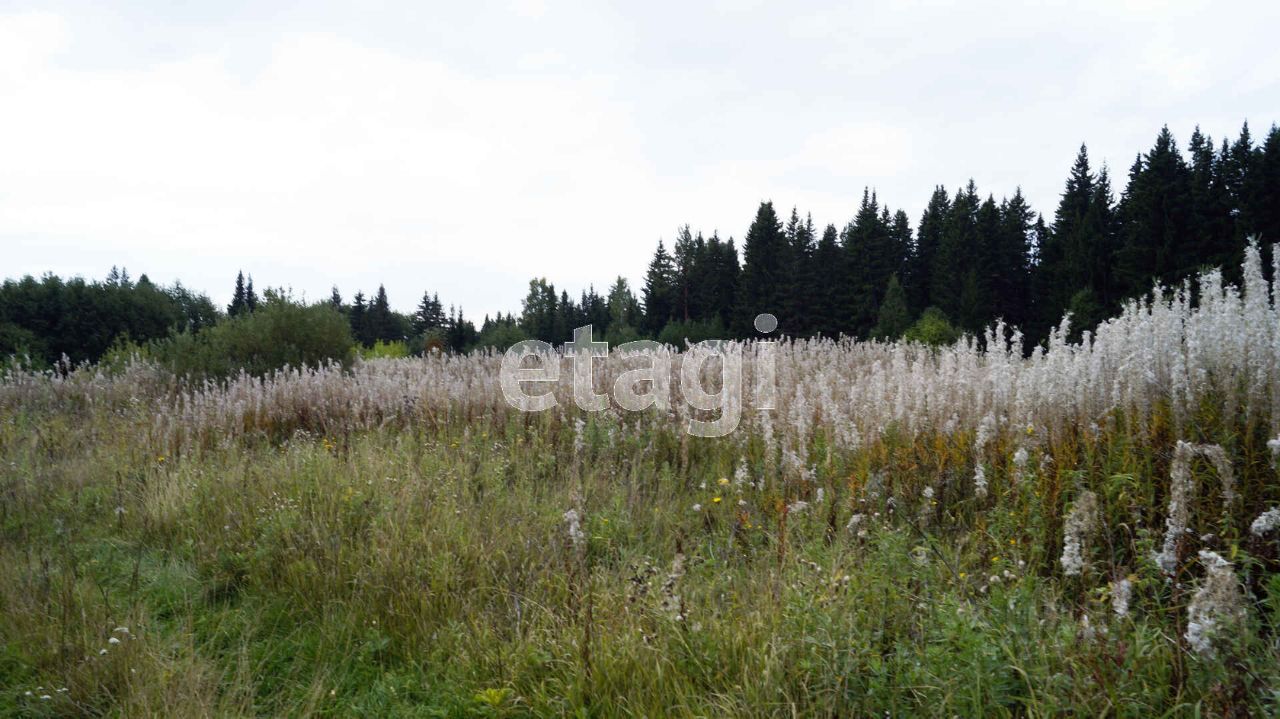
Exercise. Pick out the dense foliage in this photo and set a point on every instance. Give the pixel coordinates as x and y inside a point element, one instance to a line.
<point>44,320</point>
<point>280,333</point>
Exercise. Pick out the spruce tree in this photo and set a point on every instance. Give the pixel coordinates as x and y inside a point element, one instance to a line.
<point>919,274</point>
<point>659,291</point>
<point>828,259</point>
<point>359,322</point>
<point>894,318</point>
<point>952,262</point>
<point>871,258</point>
<point>1011,289</point>
<point>802,278</point>
<point>250,297</point>
<point>237,306</point>
<point>1156,216</point>
<point>763,279</point>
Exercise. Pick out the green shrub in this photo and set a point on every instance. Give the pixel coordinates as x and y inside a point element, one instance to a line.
<point>933,329</point>
<point>280,333</point>
<point>395,349</point>
<point>499,336</point>
<point>681,333</point>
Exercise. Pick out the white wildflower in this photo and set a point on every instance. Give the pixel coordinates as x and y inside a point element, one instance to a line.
<point>573,527</point>
<point>697,507</point>
<point>1266,522</point>
<point>113,640</point>
<point>797,506</point>
<point>986,432</point>
<point>1080,523</point>
<point>1218,604</point>
<point>1274,446</point>
<point>1181,488</point>
<point>819,497</point>
<point>928,492</point>
<point>980,482</point>
<point>1121,592</point>
<point>671,601</point>
<point>1087,631</point>
<point>1020,459</point>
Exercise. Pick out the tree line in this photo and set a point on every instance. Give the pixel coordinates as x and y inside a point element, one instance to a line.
<point>971,260</point>
<point>966,262</point>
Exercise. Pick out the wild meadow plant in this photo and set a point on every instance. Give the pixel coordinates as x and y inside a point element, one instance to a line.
<point>967,530</point>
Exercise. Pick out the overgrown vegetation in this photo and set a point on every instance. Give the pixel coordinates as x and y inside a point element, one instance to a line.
<point>913,531</point>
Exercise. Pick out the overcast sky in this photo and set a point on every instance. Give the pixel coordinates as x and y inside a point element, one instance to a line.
<point>467,147</point>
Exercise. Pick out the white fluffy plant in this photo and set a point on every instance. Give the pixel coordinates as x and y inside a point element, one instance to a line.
<point>1182,494</point>
<point>1081,523</point>
<point>1217,609</point>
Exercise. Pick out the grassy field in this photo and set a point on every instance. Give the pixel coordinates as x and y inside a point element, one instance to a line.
<point>280,548</point>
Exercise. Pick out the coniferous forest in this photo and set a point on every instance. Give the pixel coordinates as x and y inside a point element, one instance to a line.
<point>969,259</point>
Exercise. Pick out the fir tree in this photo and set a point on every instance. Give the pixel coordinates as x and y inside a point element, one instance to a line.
<point>238,305</point>
<point>764,269</point>
<point>894,318</point>
<point>250,297</point>
<point>659,291</point>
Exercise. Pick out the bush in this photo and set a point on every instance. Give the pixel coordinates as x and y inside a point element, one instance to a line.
<point>933,329</point>
<point>281,333</point>
<point>499,336</point>
<point>395,349</point>
<point>681,333</point>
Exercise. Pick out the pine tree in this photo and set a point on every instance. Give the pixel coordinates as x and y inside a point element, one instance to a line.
<point>335,298</point>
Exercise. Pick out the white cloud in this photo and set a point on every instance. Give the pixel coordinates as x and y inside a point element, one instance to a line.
<point>332,156</point>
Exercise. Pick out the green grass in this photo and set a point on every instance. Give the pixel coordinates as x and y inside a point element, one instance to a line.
<point>428,573</point>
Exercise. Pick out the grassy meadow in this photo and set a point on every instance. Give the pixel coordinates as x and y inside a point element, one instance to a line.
<point>910,532</point>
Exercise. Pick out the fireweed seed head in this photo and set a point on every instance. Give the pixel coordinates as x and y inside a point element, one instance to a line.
<point>1217,608</point>
<point>1080,523</point>
<point>1266,522</point>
